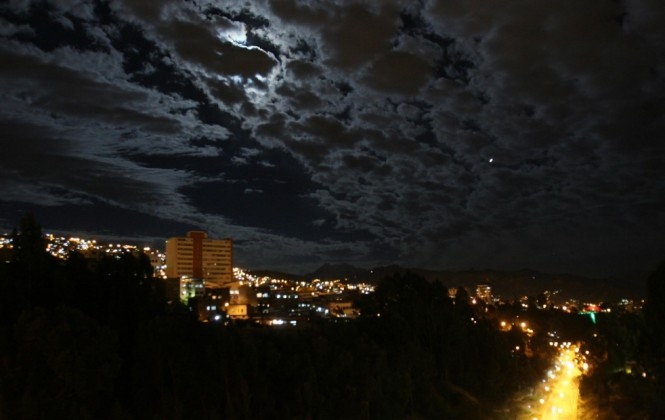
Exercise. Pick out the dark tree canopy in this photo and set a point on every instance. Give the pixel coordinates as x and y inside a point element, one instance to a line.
<point>84,340</point>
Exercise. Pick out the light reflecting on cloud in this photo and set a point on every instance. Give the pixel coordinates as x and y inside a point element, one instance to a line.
<point>414,129</point>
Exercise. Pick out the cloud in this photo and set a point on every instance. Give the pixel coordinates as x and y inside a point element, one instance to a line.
<point>438,133</point>
<point>48,163</point>
<point>197,43</point>
<point>399,72</point>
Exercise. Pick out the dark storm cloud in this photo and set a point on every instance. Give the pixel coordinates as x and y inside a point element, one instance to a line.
<point>75,94</point>
<point>245,202</point>
<point>399,72</point>
<point>303,70</point>
<point>437,133</point>
<point>299,99</point>
<point>31,163</point>
<point>356,35</point>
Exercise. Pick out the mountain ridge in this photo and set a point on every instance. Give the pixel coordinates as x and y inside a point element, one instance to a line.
<point>509,285</point>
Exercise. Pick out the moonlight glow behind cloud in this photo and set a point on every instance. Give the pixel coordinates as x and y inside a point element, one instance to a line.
<point>435,134</point>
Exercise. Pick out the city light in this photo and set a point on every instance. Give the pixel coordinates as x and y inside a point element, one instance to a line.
<point>560,393</point>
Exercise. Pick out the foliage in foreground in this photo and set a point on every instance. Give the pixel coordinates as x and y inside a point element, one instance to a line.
<point>95,342</point>
<point>628,378</point>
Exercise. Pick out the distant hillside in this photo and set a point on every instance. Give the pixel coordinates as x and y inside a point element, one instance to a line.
<point>507,284</point>
<point>277,275</point>
<point>340,271</point>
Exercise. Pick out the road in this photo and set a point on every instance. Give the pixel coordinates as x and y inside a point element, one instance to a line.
<point>557,397</point>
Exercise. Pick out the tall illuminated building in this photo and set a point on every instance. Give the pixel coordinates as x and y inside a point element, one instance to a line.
<point>200,257</point>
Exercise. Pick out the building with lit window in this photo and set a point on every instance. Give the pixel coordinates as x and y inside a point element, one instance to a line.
<point>484,293</point>
<point>190,288</point>
<point>200,257</point>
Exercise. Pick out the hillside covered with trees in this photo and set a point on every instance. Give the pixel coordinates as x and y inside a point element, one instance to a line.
<point>98,342</point>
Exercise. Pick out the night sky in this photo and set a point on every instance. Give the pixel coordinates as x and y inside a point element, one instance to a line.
<point>432,134</point>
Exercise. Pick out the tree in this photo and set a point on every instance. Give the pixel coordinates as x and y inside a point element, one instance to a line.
<point>32,269</point>
<point>64,367</point>
<point>654,314</point>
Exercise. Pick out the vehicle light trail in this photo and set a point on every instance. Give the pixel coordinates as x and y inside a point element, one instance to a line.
<point>560,403</point>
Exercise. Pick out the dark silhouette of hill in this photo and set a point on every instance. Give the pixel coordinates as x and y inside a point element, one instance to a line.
<point>346,272</point>
<point>507,284</point>
<point>277,274</point>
